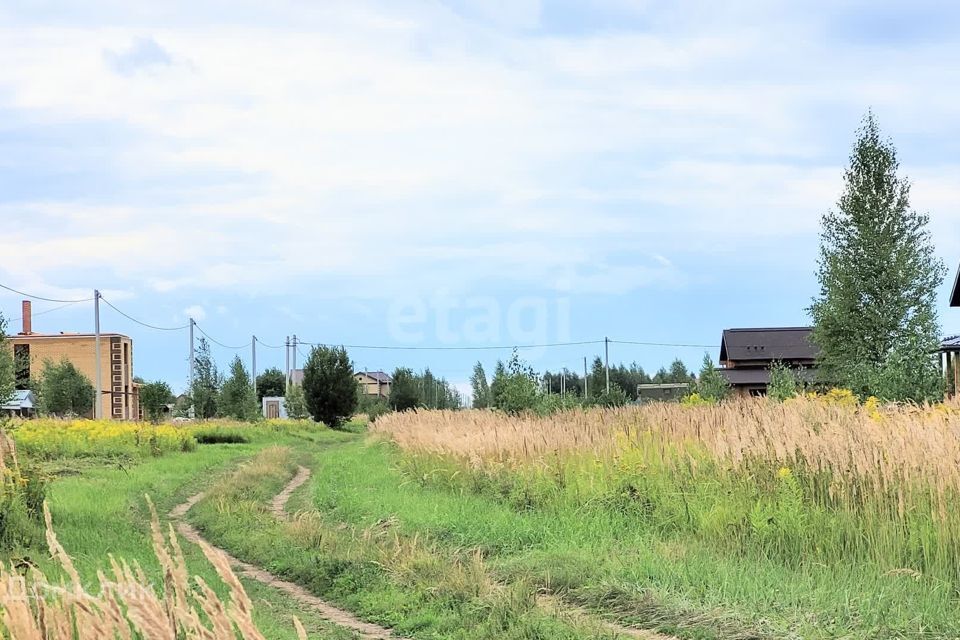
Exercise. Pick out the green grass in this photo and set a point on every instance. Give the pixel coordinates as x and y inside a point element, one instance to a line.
<point>98,508</point>
<point>609,560</point>
<point>391,580</point>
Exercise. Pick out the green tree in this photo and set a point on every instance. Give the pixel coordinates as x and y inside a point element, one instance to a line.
<point>207,380</point>
<point>271,383</point>
<point>678,372</point>
<point>8,378</point>
<point>405,390</point>
<point>875,318</point>
<point>329,386</point>
<point>480,387</point>
<point>711,385</point>
<point>295,403</point>
<point>518,388</point>
<point>784,382</point>
<point>64,390</point>
<point>155,396</point>
<point>237,399</point>
<point>498,384</point>
<point>598,378</point>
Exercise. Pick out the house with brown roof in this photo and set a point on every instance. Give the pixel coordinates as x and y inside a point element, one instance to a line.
<point>747,354</point>
<point>374,383</point>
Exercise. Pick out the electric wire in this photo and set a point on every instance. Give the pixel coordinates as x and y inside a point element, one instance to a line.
<point>663,344</point>
<point>470,348</point>
<point>45,311</point>
<point>140,322</point>
<point>217,342</point>
<point>35,297</point>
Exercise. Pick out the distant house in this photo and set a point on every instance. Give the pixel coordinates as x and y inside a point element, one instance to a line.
<point>23,404</point>
<point>746,356</point>
<point>374,383</point>
<point>950,347</point>
<point>120,395</point>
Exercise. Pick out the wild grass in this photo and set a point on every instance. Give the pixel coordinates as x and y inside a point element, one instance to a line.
<point>826,490</point>
<point>32,607</point>
<point>49,438</point>
<point>403,582</point>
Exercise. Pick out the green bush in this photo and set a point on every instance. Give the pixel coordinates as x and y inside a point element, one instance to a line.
<point>784,382</point>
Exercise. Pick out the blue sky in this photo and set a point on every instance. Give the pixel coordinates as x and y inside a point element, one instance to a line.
<point>457,174</point>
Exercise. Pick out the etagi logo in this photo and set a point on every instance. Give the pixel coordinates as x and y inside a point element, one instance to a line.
<point>446,320</point>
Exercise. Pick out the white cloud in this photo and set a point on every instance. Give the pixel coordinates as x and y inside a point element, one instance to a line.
<point>196,312</point>
<point>412,146</point>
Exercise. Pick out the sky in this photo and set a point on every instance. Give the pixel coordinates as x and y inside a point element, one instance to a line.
<point>452,174</point>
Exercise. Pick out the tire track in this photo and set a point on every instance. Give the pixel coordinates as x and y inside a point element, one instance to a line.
<point>326,610</point>
<point>553,604</point>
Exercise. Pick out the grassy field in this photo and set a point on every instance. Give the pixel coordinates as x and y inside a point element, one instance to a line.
<point>817,518</point>
<point>98,508</point>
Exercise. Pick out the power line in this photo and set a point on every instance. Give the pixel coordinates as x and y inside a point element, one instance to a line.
<point>269,346</point>
<point>217,342</point>
<point>40,313</point>
<point>140,322</point>
<point>663,344</point>
<point>29,295</point>
<point>475,348</point>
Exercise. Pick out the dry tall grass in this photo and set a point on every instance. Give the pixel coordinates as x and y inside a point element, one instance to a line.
<point>805,478</point>
<point>34,608</point>
<point>887,445</point>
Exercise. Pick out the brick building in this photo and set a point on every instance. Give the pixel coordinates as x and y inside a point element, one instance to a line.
<point>120,397</point>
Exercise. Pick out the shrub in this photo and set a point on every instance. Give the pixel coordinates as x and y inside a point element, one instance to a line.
<point>219,436</point>
<point>295,403</point>
<point>784,383</point>
<point>155,396</point>
<point>64,391</point>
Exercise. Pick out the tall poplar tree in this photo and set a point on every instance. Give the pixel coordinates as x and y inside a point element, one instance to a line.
<point>875,318</point>
<point>480,387</point>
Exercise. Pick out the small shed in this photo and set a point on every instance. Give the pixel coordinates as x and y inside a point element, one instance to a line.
<point>23,404</point>
<point>662,392</point>
<point>274,407</point>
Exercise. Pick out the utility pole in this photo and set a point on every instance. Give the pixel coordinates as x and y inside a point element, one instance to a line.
<point>253,348</point>
<point>193,361</point>
<point>585,393</point>
<point>98,404</point>
<point>294,351</point>
<point>286,350</point>
<point>606,348</point>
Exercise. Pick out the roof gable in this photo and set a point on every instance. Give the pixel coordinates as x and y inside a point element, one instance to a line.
<point>772,343</point>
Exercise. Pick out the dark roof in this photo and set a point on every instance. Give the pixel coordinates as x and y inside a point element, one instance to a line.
<point>772,343</point>
<point>950,344</point>
<point>379,376</point>
<point>758,376</point>
<point>746,376</point>
<point>955,296</point>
